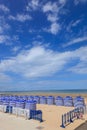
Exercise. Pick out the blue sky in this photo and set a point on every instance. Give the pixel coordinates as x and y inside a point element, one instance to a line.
<point>43,44</point>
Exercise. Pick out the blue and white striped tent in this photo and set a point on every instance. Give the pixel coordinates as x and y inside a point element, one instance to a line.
<point>20,104</point>
<point>59,101</point>
<point>50,100</point>
<point>68,101</point>
<point>24,97</point>
<point>31,105</point>
<point>5,102</point>
<point>30,97</point>
<point>12,103</point>
<point>43,100</point>
<point>1,101</point>
<point>79,101</point>
<point>37,99</point>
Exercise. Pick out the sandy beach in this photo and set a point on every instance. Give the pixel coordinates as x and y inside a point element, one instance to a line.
<point>43,64</point>
<point>51,118</point>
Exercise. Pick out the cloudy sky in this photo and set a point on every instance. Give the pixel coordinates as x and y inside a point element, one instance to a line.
<point>43,44</point>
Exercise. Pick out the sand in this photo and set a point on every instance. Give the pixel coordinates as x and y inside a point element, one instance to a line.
<point>51,119</point>
<point>46,94</point>
<point>82,126</point>
<point>11,122</point>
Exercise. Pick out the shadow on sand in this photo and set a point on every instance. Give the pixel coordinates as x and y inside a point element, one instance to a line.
<point>82,126</point>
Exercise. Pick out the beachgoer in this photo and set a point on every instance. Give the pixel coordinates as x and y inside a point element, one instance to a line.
<point>81,115</point>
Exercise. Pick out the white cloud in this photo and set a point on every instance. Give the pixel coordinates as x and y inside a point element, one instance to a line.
<point>15,49</point>
<point>51,10</point>
<point>50,7</point>
<point>12,17</point>
<point>40,42</point>
<point>37,43</point>
<point>76,2</point>
<point>20,17</point>
<point>76,22</point>
<point>5,39</point>
<point>32,5</point>
<point>54,28</point>
<point>4,27</point>
<point>74,41</point>
<point>73,24</point>
<point>63,2</point>
<point>8,40</point>
<point>4,77</point>
<point>4,8</point>
<point>40,62</point>
<point>52,17</point>
<point>80,67</point>
<point>37,62</point>
<point>4,31</point>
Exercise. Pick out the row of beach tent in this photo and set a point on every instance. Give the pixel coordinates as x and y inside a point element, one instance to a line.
<point>29,102</point>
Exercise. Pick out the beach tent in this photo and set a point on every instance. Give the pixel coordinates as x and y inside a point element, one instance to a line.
<point>50,100</point>
<point>68,101</point>
<point>43,100</point>
<point>59,101</point>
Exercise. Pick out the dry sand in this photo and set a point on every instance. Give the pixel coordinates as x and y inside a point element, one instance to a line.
<point>47,94</point>
<point>11,122</point>
<point>51,120</point>
<point>51,116</point>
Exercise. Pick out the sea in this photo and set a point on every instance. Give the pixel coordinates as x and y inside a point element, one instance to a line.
<point>72,91</point>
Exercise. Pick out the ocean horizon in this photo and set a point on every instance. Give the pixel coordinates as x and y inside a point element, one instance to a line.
<point>49,91</point>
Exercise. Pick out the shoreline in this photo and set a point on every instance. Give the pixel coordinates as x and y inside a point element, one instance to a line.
<point>45,94</point>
